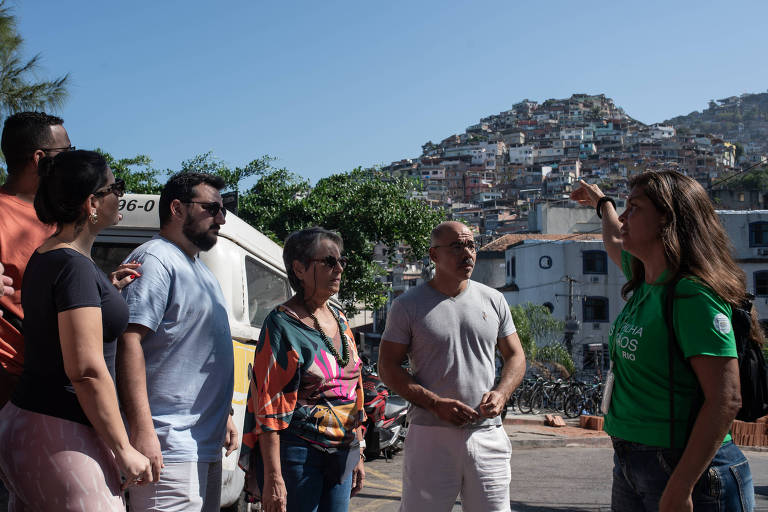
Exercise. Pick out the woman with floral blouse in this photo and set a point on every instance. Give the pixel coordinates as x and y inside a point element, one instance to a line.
<point>306,399</point>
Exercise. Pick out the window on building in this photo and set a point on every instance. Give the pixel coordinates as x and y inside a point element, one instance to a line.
<point>595,309</point>
<point>758,234</point>
<point>761,283</point>
<point>595,262</point>
<point>511,267</point>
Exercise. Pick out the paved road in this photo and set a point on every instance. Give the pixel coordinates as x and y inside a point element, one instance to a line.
<point>544,479</point>
<point>547,479</point>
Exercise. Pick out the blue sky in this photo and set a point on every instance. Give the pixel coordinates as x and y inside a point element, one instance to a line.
<point>328,86</point>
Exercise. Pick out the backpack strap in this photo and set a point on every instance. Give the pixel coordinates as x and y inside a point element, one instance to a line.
<point>672,347</point>
<point>673,351</point>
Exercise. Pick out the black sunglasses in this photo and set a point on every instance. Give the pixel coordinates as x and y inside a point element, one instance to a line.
<point>117,188</point>
<point>212,208</point>
<point>332,261</point>
<point>63,149</point>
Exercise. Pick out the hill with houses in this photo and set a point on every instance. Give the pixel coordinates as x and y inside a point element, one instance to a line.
<point>495,172</point>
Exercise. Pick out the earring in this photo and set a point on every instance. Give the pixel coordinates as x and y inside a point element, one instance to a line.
<point>93,217</point>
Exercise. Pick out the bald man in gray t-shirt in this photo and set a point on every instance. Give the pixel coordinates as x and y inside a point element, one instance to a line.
<point>450,329</point>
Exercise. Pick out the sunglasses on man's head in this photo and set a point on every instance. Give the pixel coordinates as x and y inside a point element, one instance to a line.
<point>117,188</point>
<point>332,261</point>
<point>212,208</point>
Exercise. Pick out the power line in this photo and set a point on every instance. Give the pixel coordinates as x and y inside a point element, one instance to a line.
<point>734,175</point>
<point>540,285</point>
<point>749,169</point>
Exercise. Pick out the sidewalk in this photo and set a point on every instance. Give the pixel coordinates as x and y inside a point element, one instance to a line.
<point>529,431</point>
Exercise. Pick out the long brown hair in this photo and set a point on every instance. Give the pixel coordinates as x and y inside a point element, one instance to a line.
<point>695,242</point>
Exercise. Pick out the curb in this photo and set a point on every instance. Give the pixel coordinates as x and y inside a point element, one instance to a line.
<point>535,420</point>
<point>576,442</point>
<point>562,442</point>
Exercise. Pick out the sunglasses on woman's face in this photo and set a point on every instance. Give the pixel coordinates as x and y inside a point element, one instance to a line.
<point>332,261</point>
<point>117,188</point>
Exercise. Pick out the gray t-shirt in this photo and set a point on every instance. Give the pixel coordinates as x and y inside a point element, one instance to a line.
<point>452,342</point>
<point>189,360</point>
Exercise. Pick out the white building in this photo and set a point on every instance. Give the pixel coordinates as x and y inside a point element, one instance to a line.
<point>572,134</point>
<point>551,154</point>
<point>660,131</point>
<point>573,274</point>
<point>521,155</point>
<point>748,231</point>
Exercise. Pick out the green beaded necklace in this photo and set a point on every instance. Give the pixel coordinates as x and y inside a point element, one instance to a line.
<point>342,359</point>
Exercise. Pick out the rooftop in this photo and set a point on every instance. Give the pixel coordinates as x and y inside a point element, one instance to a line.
<point>501,244</point>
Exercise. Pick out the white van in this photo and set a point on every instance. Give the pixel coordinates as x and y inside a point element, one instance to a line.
<point>249,268</point>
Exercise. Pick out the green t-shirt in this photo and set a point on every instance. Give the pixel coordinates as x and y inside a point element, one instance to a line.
<point>639,409</point>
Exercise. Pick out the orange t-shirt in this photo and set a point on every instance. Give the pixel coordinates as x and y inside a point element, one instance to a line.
<point>21,232</point>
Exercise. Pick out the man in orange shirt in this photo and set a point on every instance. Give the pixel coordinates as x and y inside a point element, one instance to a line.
<point>27,138</point>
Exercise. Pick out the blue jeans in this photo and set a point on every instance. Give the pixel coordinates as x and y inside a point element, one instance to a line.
<point>640,474</point>
<point>312,476</point>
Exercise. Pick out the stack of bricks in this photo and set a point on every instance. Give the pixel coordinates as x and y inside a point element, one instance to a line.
<point>591,422</point>
<point>553,420</point>
<point>750,434</point>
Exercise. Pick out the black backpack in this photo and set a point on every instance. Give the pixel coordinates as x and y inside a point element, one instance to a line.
<point>752,369</point>
<point>753,373</point>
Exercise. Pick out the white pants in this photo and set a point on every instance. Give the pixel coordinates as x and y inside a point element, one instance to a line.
<point>443,462</point>
<point>183,487</point>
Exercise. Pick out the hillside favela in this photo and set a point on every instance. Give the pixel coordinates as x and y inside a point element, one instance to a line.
<point>510,175</point>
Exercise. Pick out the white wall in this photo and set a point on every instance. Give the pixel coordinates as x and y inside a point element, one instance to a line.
<point>540,285</point>
<point>750,259</point>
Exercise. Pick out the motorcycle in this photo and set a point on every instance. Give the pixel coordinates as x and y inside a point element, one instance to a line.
<point>386,425</point>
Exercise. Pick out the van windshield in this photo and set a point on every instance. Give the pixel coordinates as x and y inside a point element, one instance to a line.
<point>108,255</point>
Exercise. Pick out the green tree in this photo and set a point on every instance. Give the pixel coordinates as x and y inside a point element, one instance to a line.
<point>273,203</point>
<point>208,163</point>
<point>756,179</point>
<point>522,324</point>
<point>540,334</point>
<point>739,150</point>
<point>19,87</point>
<point>362,206</point>
<point>137,172</point>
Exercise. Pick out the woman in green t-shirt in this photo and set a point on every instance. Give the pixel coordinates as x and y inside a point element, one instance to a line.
<point>670,231</point>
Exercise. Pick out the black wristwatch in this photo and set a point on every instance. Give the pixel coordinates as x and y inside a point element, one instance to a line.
<point>600,202</point>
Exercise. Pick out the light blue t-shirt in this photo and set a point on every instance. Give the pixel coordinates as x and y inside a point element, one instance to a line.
<point>189,359</point>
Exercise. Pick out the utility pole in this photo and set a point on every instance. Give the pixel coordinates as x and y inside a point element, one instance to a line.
<point>571,324</point>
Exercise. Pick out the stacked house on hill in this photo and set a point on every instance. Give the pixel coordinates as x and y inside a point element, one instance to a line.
<point>535,152</point>
<point>510,175</point>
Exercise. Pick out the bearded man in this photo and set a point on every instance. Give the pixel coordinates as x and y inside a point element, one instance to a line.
<point>175,362</point>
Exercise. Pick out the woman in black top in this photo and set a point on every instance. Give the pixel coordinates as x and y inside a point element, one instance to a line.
<point>62,440</point>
